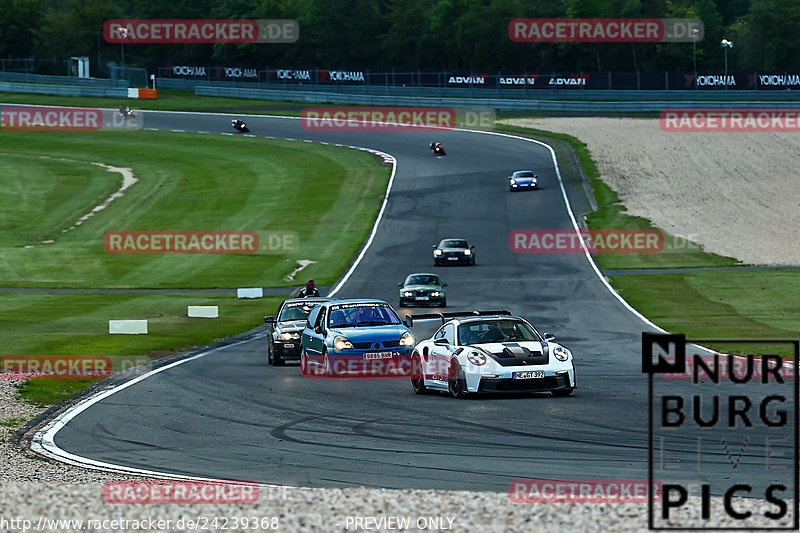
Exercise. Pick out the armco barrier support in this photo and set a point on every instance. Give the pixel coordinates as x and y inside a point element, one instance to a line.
<point>203,311</point>
<point>127,327</point>
<point>61,80</point>
<point>257,292</point>
<point>493,103</point>
<point>504,94</point>
<point>63,90</point>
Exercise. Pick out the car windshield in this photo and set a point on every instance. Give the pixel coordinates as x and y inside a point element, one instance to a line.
<point>296,311</point>
<point>478,332</point>
<point>422,279</point>
<point>453,243</point>
<point>523,174</point>
<point>353,315</point>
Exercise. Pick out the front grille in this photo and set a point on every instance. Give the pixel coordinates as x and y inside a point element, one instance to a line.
<point>376,345</point>
<point>509,385</point>
<point>421,293</point>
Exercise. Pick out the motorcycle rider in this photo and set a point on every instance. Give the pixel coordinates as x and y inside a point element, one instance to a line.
<point>125,111</point>
<point>309,290</point>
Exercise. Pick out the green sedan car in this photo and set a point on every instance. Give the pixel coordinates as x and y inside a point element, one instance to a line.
<point>422,289</point>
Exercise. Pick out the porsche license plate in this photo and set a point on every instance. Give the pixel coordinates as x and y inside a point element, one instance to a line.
<point>532,374</point>
<point>452,258</point>
<point>378,355</point>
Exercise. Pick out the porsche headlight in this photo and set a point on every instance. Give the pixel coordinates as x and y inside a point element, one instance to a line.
<point>408,294</point>
<point>407,339</point>
<point>340,343</point>
<point>476,358</point>
<point>513,182</point>
<point>437,252</point>
<point>561,353</point>
<point>467,252</point>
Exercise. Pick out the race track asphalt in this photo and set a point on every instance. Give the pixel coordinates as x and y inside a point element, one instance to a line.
<point>229,415</point>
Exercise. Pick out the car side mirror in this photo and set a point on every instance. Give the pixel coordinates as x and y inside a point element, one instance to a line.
<point>549,337</point>
<point>444,284</point>
<point>269,320</point>
<point>319,329</point>
<point>441,342</point>
<point>399,284</point>
<point>472,247</point>
<point>434,246</point>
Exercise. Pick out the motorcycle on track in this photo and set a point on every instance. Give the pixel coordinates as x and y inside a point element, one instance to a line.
<point>437,148</point>
<point>240,126</point>
<point>126,112</point>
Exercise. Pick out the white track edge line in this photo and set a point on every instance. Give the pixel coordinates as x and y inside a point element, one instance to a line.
<point>43,441</point>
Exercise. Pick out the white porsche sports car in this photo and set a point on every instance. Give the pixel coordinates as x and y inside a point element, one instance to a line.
<point>489,351</point>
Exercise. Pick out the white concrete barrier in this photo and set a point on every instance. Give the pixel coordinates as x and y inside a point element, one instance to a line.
<point>127,327</point>
<point>203,311</point>
<point>257,292</point>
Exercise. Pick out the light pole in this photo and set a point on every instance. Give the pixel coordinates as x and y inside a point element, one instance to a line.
<point>124,32</point>
<point>695,31</point>
<point>726,44</point>
<point>99,55</point>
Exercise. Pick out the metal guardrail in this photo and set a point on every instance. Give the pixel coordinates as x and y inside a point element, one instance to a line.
<point>63,90</point>
<point>505,94</point>
<point>493,103</point>
<point>22,77</point>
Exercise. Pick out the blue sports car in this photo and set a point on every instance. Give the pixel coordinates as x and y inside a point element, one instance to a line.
<point>355,338</point>
<point>522,179</point>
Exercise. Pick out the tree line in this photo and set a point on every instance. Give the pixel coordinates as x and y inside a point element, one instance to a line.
<point>470,35</point>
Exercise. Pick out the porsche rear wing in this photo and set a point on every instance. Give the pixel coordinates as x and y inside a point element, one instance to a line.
<point>444,317</point>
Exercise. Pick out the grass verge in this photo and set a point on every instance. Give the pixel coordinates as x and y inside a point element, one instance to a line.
<point>77,324</point>
<point>329,196</point>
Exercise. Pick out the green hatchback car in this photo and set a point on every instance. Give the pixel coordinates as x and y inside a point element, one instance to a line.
<point>422,289</point>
